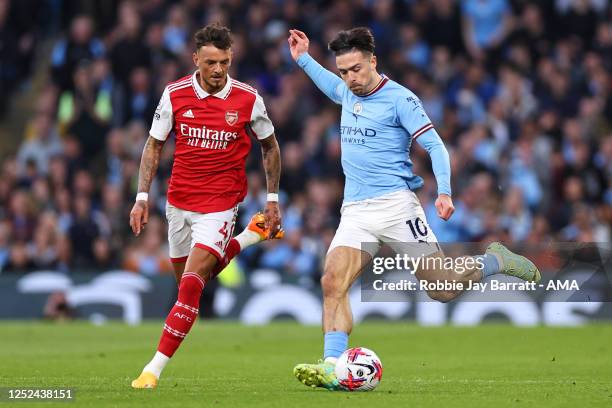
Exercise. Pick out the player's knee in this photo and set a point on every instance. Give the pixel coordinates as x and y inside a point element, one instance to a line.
<point>328,283</point>
<point>331,284</point>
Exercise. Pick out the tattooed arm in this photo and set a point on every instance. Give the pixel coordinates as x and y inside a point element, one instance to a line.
<point>139,216</point>
<point>272,167</point>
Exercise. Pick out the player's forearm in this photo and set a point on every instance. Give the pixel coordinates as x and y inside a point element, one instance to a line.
<point>440,160</point>
<point>271,162</point>
<point>325,80</point>
<point>149,163</point>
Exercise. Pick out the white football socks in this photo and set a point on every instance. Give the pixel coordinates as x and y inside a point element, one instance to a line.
<point>157,364</point>
<point>247,238</point>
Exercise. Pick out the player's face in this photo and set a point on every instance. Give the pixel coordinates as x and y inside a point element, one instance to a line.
<point>358,70</point>
<point>213,64</point>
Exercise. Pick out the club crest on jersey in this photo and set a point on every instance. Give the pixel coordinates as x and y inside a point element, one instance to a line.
<point>231,117</point>
<point>357,108</point>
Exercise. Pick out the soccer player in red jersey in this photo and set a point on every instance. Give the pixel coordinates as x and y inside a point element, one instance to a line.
<point>213,118</point>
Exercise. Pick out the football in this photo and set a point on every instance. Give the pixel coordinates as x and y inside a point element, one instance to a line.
<point>358,369</point>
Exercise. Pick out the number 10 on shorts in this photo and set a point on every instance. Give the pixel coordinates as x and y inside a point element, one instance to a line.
<point>418,228</point>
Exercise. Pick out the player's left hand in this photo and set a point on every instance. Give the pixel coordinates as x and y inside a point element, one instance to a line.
<point>272,217</point>
<point>139,216</point>
<point>445,207</point>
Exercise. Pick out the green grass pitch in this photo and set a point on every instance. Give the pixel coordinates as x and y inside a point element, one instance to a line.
<point>229,365</point>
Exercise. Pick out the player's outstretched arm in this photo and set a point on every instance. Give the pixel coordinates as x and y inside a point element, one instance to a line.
<point>325,80</point>
<point>272,167</point>
<point>139,216</point>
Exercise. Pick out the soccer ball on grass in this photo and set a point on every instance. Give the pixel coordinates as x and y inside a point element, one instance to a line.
<point>358,369</point>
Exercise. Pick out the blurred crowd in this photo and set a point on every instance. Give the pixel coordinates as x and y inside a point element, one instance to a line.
<point>520,91</point>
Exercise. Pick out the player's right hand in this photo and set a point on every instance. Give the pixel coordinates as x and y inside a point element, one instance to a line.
<point>444,206</point>
<point>139,216</point>
<point>298,43</point>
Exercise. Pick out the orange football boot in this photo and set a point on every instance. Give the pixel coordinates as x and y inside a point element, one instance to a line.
<point>258,226</point>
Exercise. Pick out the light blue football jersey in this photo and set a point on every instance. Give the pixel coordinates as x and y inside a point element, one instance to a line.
<point>377,131</point>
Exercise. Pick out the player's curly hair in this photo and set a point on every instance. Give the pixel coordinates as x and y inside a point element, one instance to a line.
<point>215,34</point>
<point>358,38</point>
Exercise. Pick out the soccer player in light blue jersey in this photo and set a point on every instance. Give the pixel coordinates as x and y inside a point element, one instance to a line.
<point>380,121</point>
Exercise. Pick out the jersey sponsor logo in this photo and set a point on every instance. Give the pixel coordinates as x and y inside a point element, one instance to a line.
<point>207,138</point>
<point>353,140</point>
<point>357,131</point>
<point>188,114</point>
<point>231,117</point>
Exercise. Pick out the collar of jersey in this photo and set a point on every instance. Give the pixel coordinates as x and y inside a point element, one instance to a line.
<point>384,79</point>
<point>201,93</point>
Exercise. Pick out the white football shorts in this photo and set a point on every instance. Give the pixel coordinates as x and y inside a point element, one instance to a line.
<point>391,218</point>
<point>209,231</point>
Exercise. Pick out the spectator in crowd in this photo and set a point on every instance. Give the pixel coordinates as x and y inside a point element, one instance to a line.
<point>129,50</point>
<point>486,23</point>
<point>139,102</point>
<point>42,144</point>
<point>81,45</point>
<point>85,111</point>
<point>83,232</point>
<point>19,22</point>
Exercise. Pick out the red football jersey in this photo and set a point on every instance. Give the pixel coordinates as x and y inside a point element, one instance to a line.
<point>212,141</point>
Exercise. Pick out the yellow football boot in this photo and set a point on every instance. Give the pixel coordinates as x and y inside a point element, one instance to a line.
<point>145,380</point>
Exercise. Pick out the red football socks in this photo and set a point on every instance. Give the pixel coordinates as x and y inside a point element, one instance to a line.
<point>183,314</point>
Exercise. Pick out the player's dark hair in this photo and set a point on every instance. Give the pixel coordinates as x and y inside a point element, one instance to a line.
<point>358,38</point>
<point>214,34</point>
